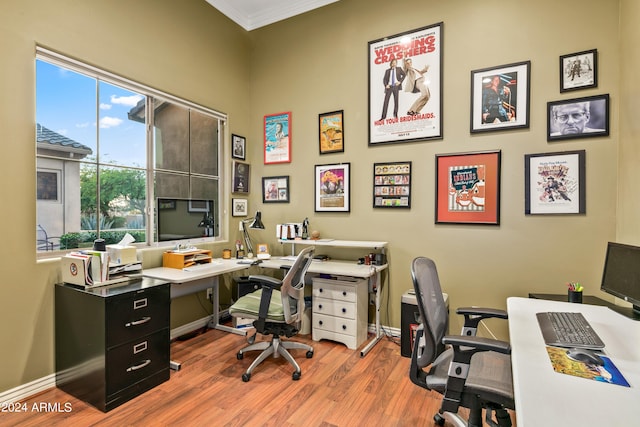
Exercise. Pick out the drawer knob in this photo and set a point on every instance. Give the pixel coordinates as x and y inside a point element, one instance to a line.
<point>320,306</point>
<point>139,366</point>
<point>320,290</point>
<point>320,323</point>
<point>138,322</point>
<point>344,310</point>
<point>344,327</point>
<point>344,293</point>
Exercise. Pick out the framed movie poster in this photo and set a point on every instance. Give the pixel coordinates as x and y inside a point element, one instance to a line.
<point>275,189</point>
<point>277,138</point>
<point>578,118</point>
<point>500,97</point>
<point>392,185</point>
<point>555,183</point>
<point>468,188</point>
<point>331,132</point>
<point>405,86</point>
<point>332,188</point>
<point>579,70</point>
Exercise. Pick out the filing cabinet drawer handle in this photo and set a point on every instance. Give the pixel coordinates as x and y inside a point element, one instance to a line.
<point>138,322</point>
<point>139,347</point>
<point>140,366</point>
<point>139,303</point>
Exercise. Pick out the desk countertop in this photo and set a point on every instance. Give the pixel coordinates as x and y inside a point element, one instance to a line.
<point>215,268</point>
<point>338,268</point>
<point>545,397</point>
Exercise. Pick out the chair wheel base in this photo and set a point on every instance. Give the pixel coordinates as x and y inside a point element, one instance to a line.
<point>246,377</point>
<point>296,376</point>
<point>240,356</point>
<point>438,419</point>
<point>309,354</point>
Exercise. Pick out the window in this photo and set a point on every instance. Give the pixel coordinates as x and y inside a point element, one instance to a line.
<point>107,147</point>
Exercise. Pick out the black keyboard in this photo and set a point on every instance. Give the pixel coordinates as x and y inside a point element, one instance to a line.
<point>563,329</point>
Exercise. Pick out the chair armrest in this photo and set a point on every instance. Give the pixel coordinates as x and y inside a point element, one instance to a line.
<point>474,315</point>
<point>476,344</point>
<point>266,281</point>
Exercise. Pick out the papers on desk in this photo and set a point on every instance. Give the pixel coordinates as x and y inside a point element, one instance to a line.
<point>289,258</point>
<point>608,373</point>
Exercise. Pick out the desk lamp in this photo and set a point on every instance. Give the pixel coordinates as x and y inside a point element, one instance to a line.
<point>207,224</point>
<point>256,222</point>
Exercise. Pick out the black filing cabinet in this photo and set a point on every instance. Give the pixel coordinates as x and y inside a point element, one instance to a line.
<point>112,342</point>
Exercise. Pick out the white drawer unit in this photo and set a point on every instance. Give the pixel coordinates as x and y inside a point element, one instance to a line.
<point>340,311</point>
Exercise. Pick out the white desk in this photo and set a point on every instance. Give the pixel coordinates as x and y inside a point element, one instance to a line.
<point>343,268</point>
<point>544,397</point>
<point>185,282</point>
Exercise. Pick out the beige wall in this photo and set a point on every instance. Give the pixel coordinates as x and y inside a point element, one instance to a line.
<point>314,63</point>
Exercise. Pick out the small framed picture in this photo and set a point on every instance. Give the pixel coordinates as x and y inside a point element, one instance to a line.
<point>331,132</point>
<point>277,138</point>
<point>275,189</point>
<point>579,70</point>
<point>332,188</point>
<point>500,97</point>
<point>578,118</point>
<point>468,188</point>
<point>239,207</point>
<point>555,183</point>
<point>240,177</point>
<point>263,249</point>
<point>392,185</point>
<point>238,146</point>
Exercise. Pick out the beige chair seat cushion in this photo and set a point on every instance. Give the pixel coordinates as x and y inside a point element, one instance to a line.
<point>249,306</point>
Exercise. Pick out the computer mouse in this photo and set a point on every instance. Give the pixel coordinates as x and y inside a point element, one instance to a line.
<point>585,356</point>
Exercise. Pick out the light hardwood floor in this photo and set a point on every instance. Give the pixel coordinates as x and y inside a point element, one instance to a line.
<point>337,388</point>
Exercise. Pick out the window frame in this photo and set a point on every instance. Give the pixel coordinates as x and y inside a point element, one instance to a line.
<point>151,94</point>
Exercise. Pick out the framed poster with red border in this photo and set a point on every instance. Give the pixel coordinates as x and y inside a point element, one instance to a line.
<point>468,188</point>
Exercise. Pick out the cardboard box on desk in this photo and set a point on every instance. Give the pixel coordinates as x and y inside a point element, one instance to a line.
<point>75,269</point>
<point>121,254</point>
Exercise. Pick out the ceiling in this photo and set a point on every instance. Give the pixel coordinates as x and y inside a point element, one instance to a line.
<point>252,14</point>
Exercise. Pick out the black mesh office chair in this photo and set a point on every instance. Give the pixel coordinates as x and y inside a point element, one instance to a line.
<point>469,371</point>
<point>277,313</point>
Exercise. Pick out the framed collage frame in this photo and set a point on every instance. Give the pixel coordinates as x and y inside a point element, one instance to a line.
<point>277,138</point>
<point>332,192</point>
<point>331,132</point>
<point>579,70</point>
<point>402,106</point>
<point>500,97</point>
<point>392,185</point>
<point>578,118</point>
<point>555,183</point>
<point>275,189</point>
<point>468,188</point>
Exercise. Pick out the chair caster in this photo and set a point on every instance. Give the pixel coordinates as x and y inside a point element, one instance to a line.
<point>438,419</point>
<point>296,376</point>
<point>246,377</point>
<point>309,354</point>
<point>239,356</point>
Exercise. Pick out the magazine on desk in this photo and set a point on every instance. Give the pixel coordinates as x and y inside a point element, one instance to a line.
<point>608,373</point>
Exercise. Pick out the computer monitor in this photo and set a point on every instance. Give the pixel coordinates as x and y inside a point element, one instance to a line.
<point>185,219</point>
<point>621,276</point>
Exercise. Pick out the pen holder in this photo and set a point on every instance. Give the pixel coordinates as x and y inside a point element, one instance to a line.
<point>574,296</point>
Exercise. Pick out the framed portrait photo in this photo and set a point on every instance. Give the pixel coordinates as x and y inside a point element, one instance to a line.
<point>331,132</point>
<point>332,188</point>
<point>392,185</point>
<point>500,97</point>
<point>238,146</point>
<point>240,177</point>
<point>239,207</point>
<point>579,70</point>
<point>578,118</point>
<point>405,86</point>
<point>275,189</point>
<point>555,183</point>
<point>277,138</point>
<point>468,188</point>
